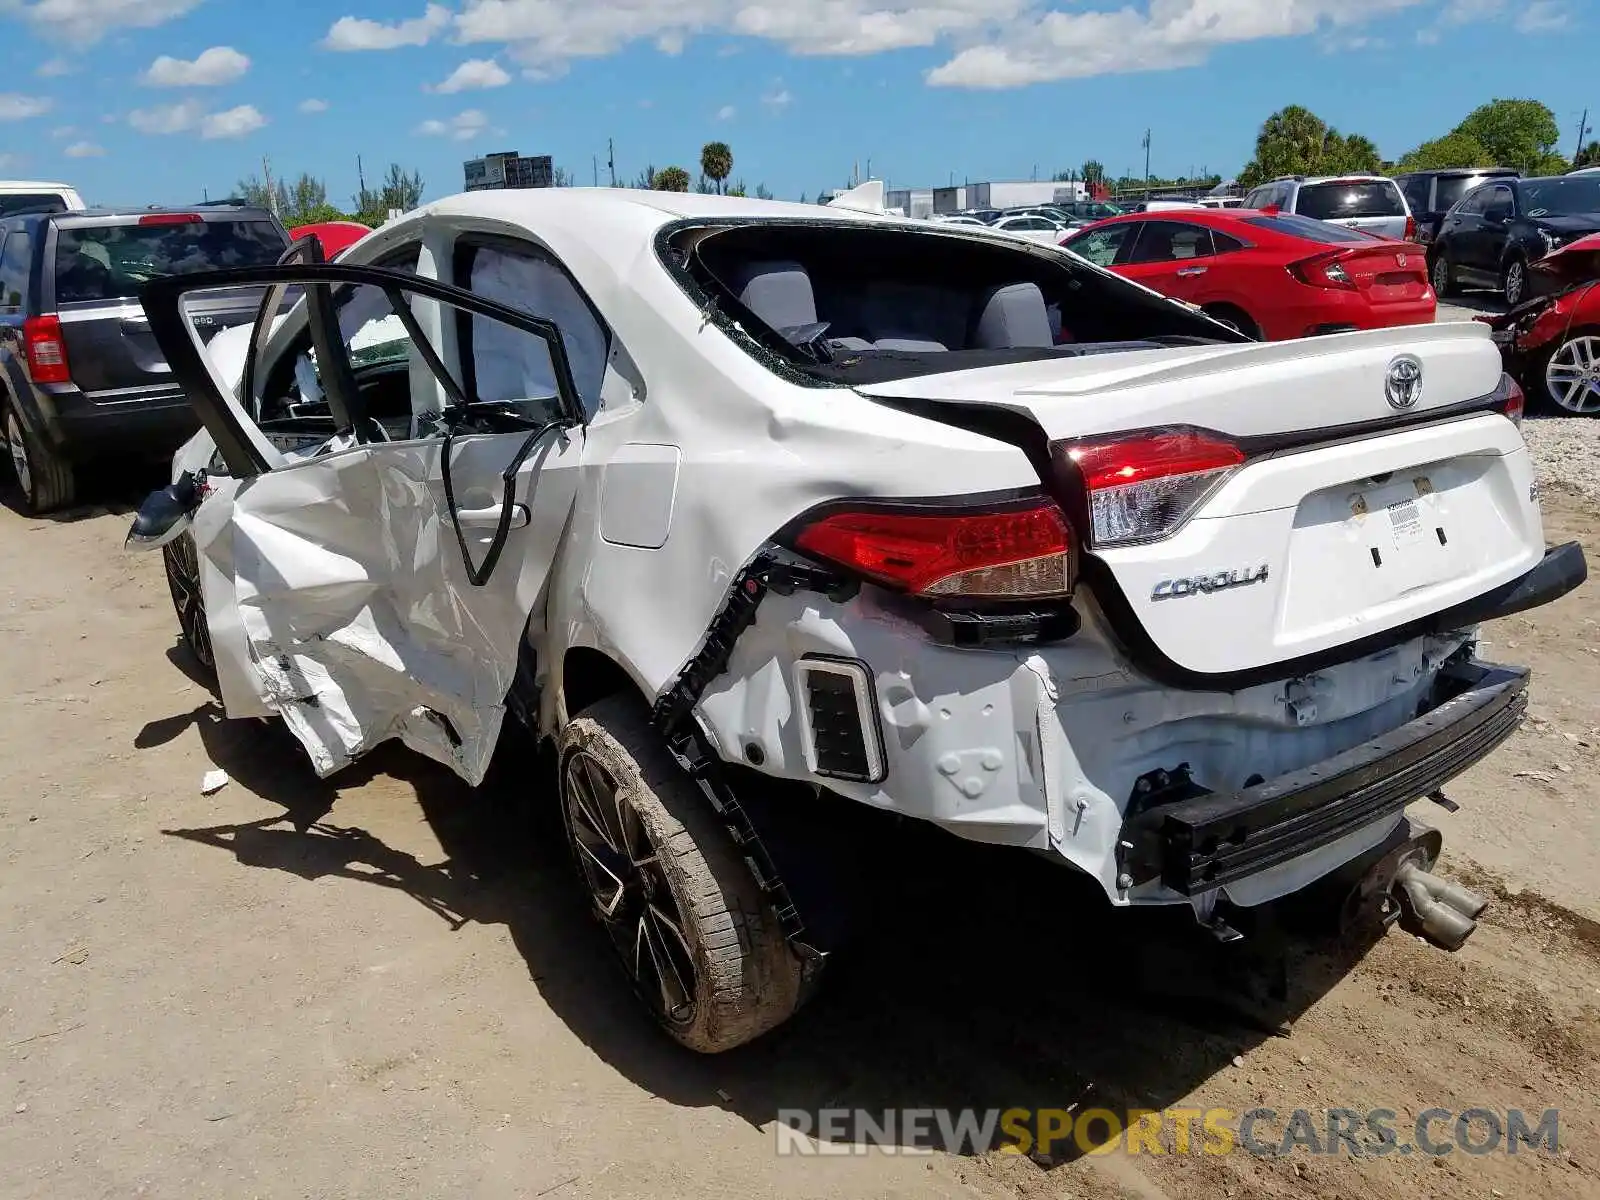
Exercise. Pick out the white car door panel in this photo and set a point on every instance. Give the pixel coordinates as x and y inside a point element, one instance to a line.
<point>348,590</point>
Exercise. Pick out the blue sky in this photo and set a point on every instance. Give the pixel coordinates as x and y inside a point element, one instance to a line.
<point>155,101</point>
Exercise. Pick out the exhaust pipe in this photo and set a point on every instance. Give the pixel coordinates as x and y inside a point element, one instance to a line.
<point>1445,912</point>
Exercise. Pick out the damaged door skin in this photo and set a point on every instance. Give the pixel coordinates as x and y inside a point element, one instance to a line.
<point>352,637</point>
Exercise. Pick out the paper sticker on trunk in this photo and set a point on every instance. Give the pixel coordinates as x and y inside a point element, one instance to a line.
<point>1405,523</point>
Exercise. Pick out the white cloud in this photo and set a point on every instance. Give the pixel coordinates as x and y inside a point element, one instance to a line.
<point>358,33</point>
<point>1168,34</point>
<point>162,119</point>
<point>84,150</point>
<point>727,112</point>
<point>54,68</point>
<point>473,74</point>
<point>231,123</point>
<point>63,131</point>
<point>8,160</point>
<point>312,105</point>
<point>777,97</point>
<point>463,127</point>
<point>190,115</point>
<point>218,65</point>
<point>85,22</point>
<point>1542,16</point>
<point>671,42</point>
<point>17,107</point>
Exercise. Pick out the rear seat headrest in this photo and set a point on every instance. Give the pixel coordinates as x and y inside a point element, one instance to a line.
<point>777,292</point>
<point>1014,316</point>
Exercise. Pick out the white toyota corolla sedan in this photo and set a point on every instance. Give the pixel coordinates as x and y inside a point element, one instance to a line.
<point>714,492</point>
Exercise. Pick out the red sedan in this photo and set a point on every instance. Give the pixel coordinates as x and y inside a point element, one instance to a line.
<point>1272,275</point>
<point>336,236</point>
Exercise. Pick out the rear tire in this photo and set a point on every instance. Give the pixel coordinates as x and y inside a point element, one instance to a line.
<point>1443,275</point>
<point>666,882</point>
<point>1234,318</point>
<point>44,478</point>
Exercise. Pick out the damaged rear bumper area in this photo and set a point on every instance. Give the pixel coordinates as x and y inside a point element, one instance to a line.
<point>1206,841</point>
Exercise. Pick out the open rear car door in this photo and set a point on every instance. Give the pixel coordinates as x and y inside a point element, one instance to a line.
<point>391,480</point>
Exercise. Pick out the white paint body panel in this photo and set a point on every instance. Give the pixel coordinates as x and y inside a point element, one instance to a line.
<point>699,453</point>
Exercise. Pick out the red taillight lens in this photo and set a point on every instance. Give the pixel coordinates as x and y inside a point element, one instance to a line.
<point>1411,229</point>
<point>1515,404</point>
<point>47,353</point>
<point>1024,553</point>
<point>171,219</point>
<point>1322,270</point>
<point>1142,488</point>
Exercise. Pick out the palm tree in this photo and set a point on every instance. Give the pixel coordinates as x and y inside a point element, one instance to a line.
<point>672,179</point>
<point>716,162</point>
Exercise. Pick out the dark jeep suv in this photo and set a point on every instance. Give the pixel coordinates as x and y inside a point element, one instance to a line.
<point>80,375</point>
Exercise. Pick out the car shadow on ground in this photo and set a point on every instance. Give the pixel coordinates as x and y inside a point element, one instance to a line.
<point>987,980</point>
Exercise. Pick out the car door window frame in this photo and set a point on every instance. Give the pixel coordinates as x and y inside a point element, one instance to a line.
<point>225,418</point>
<point>463,257</point>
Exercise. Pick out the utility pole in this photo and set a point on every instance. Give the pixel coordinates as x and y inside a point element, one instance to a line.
<point>1583,132</point>
<point>611,160</point>
<point>1147,164</point>
<point>594,163</point>
<point>272,196</point>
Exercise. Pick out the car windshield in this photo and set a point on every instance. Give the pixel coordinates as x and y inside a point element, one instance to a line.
<point>1341,201</point>
<point>1306,228</point>
<point>108,262</point>
<point>1561,197</point>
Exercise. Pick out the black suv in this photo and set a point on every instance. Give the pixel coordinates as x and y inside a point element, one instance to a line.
<point>1501,226</point>
<point>80,375</point>
<point>1431,194</point>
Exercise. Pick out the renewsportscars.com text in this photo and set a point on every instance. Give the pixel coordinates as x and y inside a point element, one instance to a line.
<point>1267,1132</point>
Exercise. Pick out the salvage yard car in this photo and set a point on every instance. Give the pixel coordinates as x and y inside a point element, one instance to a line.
<point>1552,344</point>
<point>729,500</point>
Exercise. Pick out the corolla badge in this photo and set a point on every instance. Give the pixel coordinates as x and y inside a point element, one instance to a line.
<point>1200,585</point>
<point>1403,383</point>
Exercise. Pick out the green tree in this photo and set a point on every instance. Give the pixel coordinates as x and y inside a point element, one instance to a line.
<point>1589,156</point>
<point>1452,150</point>
<point>646,179</point>
<point>1092,172</point>
<point>252,191</point>
<point>737,189</point>
<point>1516,133</point>
<point>672,179</point>
<point>763,192</point>
<point>560,177</point>
<point>400,189</point>
<point>1295,141</point>
<point>716,162</point>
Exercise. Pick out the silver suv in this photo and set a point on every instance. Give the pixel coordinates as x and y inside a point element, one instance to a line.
<point>1372,203</point>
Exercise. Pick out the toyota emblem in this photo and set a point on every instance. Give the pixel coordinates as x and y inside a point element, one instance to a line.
<point>1403,384</point>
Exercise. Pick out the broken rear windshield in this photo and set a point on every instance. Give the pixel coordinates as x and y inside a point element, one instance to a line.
<point>1341,201</point>
<point>847,302</point>
<point>108,262</point>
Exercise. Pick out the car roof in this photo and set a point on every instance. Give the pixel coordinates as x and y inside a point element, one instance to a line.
<point>1459,171</point>
<point>34,185</point>
<point>204,212</point>
<point>1353,177</point>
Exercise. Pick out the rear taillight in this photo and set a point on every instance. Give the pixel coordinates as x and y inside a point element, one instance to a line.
<point>1322,270</point>
<point>171,219</point>
<point>1515,403</point>
<point>47,353</point>
<point>1411,229</point>
<point>1142,488</point>
<point>1015,554</point>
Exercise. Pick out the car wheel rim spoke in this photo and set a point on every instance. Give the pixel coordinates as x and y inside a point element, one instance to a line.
<point>1571,375</point>
<point>621,867</point>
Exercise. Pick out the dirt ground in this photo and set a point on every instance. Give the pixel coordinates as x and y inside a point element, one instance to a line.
<point>386,986</point>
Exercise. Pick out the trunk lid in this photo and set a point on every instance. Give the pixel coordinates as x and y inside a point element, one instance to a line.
<point>1351,530</point>
<point>1385,274</point>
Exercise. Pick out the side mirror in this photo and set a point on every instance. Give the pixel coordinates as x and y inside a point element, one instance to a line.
<point>165,514</point>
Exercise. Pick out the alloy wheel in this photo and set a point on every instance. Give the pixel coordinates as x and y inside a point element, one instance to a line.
<point>1573,374</point>
<point>621,867</point>
<point>1516,277</point>
<point>183,581</point>
<point>19,452</point>
<point>1441,275</point>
